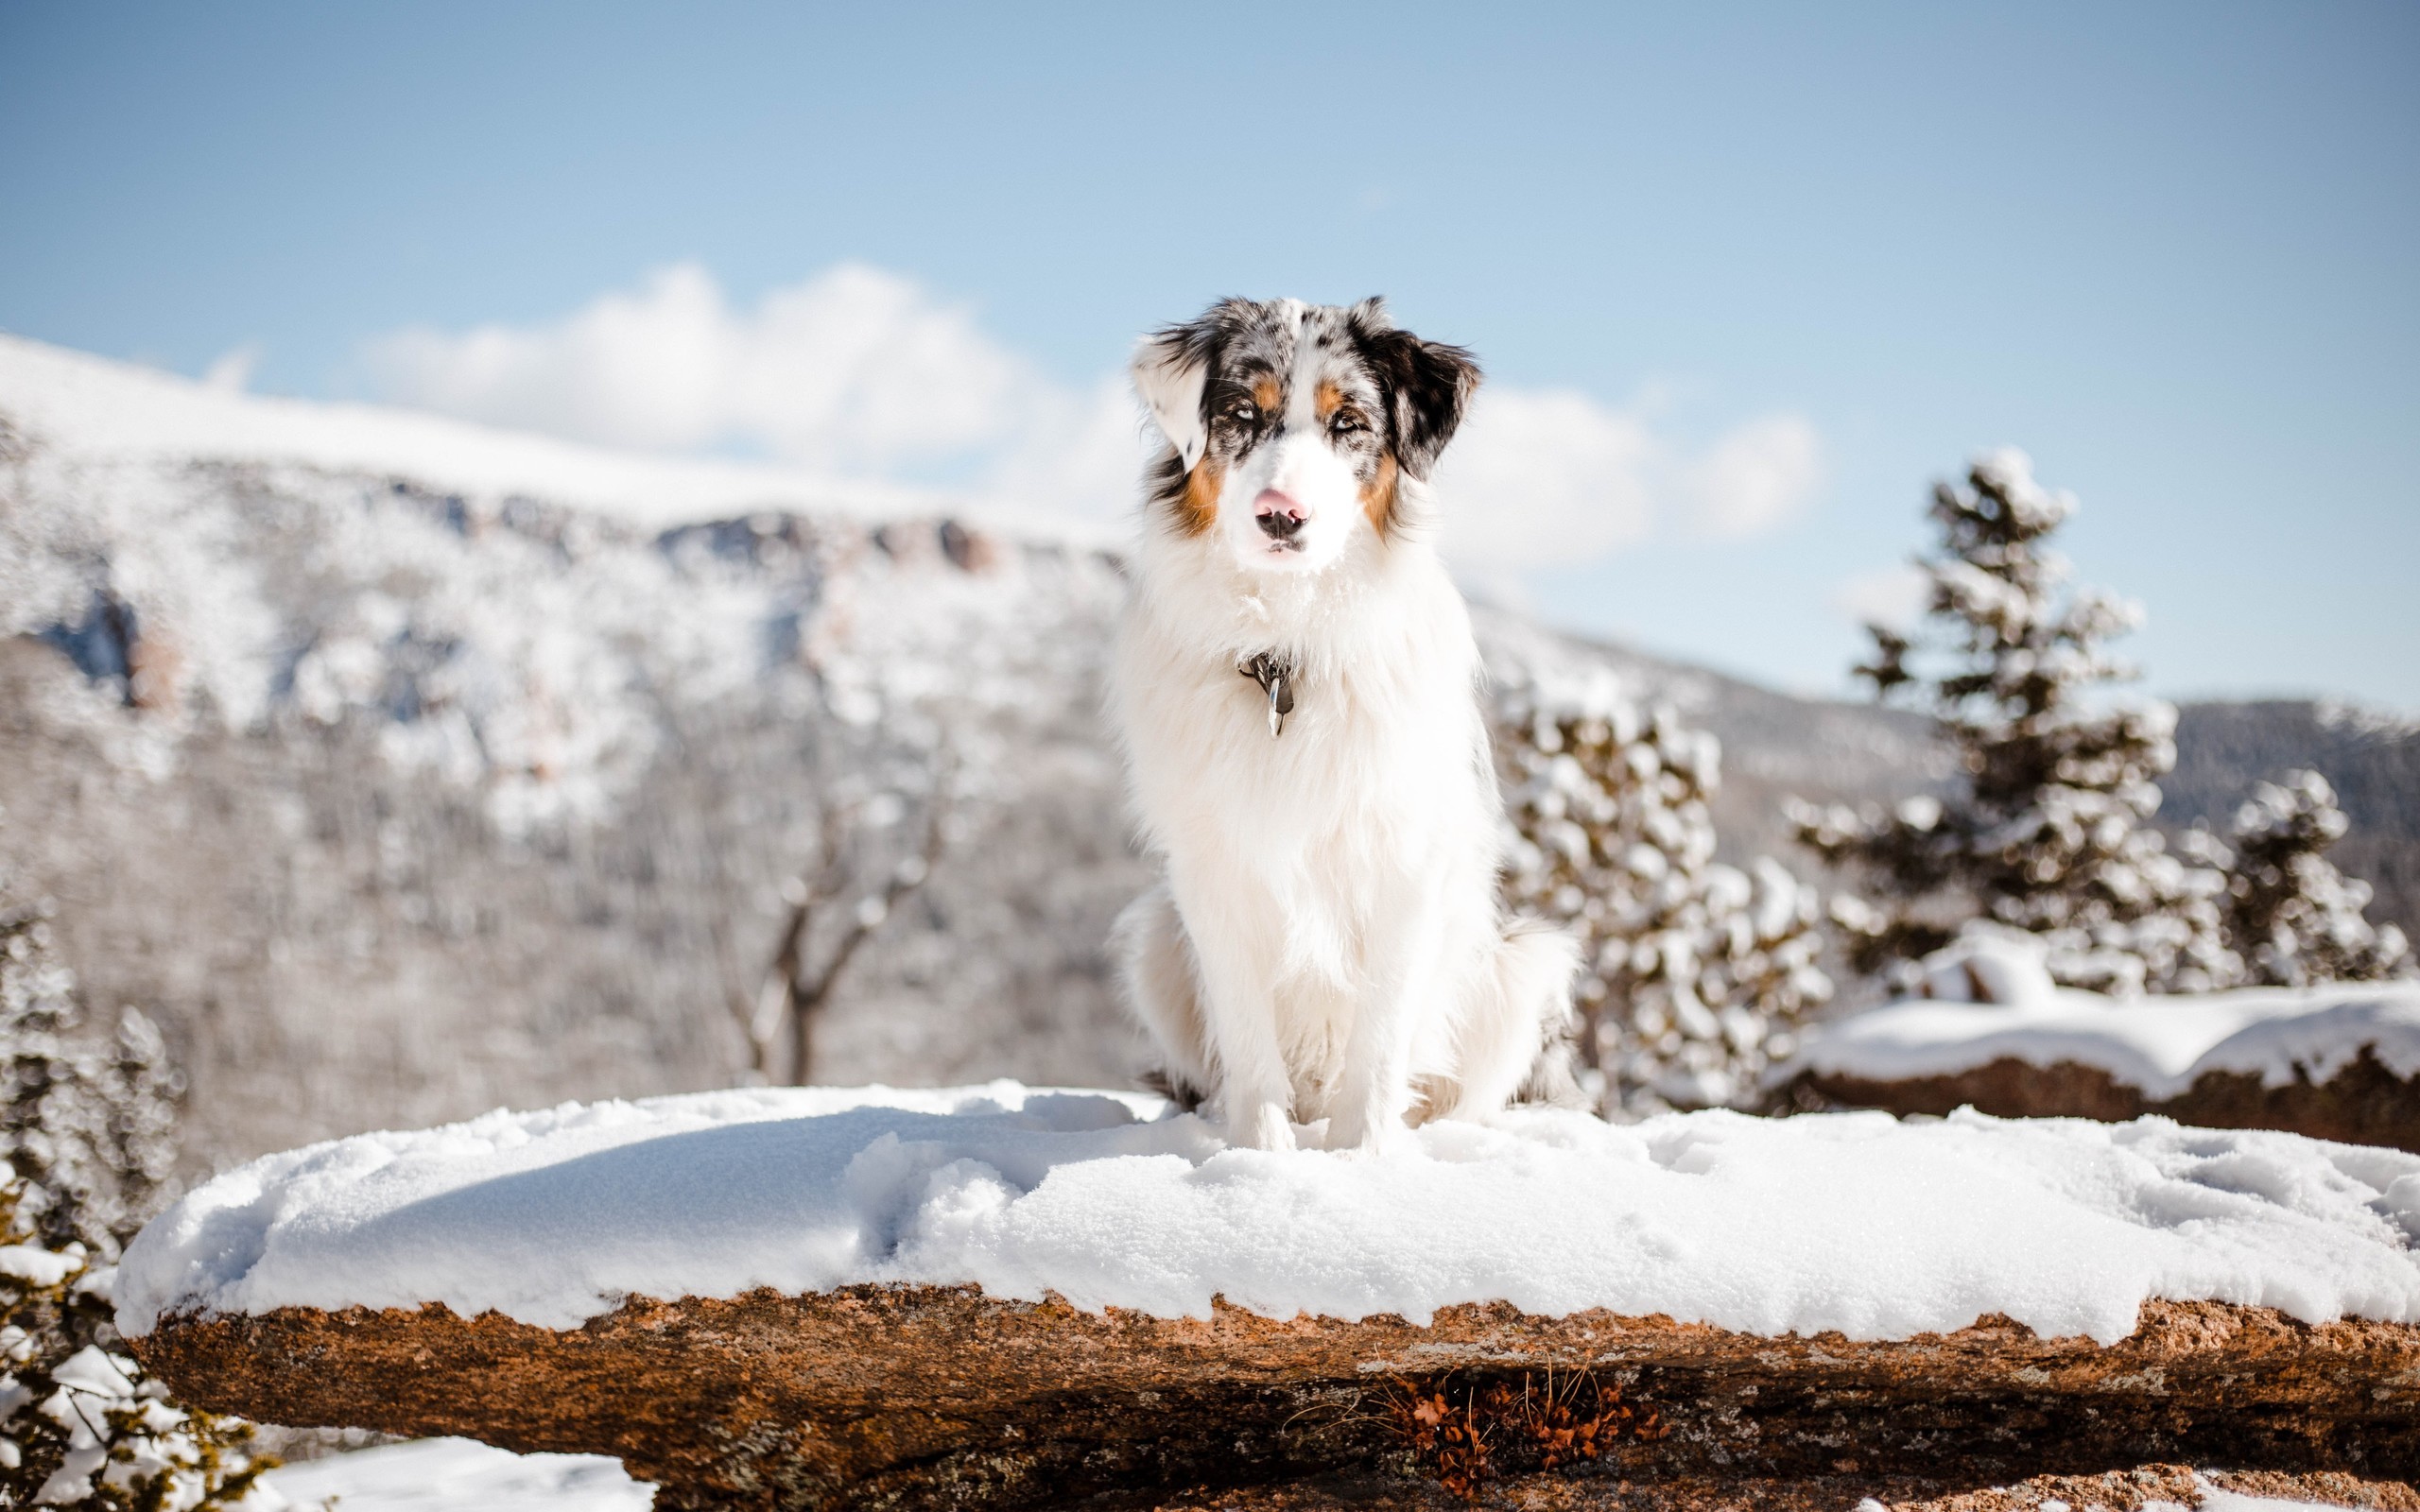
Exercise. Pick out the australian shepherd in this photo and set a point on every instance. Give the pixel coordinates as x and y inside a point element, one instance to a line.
<point>1297,691</point>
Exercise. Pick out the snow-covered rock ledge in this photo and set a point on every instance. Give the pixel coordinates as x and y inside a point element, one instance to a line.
<point>818,1298</point>
<point>2341,1063</point>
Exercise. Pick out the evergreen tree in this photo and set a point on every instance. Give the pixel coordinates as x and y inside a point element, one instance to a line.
<point>2295,919</point>
<point>87,1141</point>
<point>88,1122</point>
<point>2050,831</point>
<point>84,1426</point>
<point>1693,973</point>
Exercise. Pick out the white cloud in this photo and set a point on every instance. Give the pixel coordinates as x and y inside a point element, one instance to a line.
<point>231,370</point>
<point>861,372</point>
<point>1893,597</point>
<point>1551,477</point>
<point>854,370</point>
<point>1756,477</point>
<point>1545,476</point>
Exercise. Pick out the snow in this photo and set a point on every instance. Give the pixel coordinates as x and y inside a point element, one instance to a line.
<point>39,1266</point>
<point>457,1475</point>
<point>1851,1222</point>
<point>2217,1498</point>
<point>138,1433</point>
<point>2159,1044</point>
<point>101,408</point>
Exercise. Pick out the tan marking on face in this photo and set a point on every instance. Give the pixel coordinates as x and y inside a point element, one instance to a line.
<point>1378,495</point>
<point>1326,400</point>
<point>1197,510</point>
<point>1266,393</point>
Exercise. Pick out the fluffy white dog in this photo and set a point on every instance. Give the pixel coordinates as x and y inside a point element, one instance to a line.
<point>1296,686</point>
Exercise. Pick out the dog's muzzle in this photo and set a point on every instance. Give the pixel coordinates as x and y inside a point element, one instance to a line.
<point>1280,518</point>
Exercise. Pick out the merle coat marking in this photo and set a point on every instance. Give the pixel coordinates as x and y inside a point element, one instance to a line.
<point>1326,944</point>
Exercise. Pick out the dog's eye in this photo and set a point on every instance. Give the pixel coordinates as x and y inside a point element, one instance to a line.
<point>1243,412</point>
<point>1345,423</point>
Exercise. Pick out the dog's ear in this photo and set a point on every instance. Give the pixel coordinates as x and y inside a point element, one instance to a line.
<point>1170,369</point>
<point>1427,384</point>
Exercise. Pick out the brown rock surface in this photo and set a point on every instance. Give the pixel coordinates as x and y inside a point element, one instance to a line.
<point>2123,1490</point>
<point>934,1397</point>
<point>2362,1104</point>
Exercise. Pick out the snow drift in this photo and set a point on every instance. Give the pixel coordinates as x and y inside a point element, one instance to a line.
<point>1852,1222</point>
<point>458,1475</point>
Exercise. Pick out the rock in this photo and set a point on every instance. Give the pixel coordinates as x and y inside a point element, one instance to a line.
<point>939,1396</point>
<point>2362,1104</point>
<point>2158,1488</point>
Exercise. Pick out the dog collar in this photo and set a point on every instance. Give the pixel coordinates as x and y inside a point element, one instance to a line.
<point>1275,675</point>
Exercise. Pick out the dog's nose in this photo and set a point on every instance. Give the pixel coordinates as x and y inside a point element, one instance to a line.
<point>1278,515</point>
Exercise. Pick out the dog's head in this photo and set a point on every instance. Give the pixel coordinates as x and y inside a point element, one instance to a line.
<point>1292,426</point>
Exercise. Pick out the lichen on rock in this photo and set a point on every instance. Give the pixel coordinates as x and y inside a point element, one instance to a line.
<point>929,1396</point>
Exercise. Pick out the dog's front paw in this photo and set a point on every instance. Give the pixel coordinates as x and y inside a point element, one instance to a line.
<point>1366,1138</point>
<point>1261,1129</point>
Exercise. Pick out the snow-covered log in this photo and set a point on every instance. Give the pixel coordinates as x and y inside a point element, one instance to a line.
<point>2338,1062</point>
<point>794,1298</point>
<point>933,1396</point>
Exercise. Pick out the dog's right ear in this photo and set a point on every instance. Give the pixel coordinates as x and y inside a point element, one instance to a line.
<point>1170,368</point>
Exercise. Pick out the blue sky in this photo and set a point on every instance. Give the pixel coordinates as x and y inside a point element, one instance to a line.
<point>2172,251</point>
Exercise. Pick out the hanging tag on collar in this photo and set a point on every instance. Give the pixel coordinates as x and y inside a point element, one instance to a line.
<point>1276,679</point>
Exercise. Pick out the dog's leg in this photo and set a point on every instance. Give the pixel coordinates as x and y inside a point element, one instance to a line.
<point>1239,970</point>
<point>1156,968</point>
<point>1405,949</point>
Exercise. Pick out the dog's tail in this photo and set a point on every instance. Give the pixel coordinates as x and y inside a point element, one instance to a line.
<point>1519,1010</point>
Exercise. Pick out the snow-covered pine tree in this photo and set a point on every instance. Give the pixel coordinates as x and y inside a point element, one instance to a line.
<point>1694,975</point>
<point>87,1141</point>
<point>88,1122</point>
<point>2295,918</point>
<point>2050,830</point>
<point>85,1426</point>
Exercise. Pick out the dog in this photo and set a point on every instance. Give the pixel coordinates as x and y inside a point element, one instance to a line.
<point>1296,688</point>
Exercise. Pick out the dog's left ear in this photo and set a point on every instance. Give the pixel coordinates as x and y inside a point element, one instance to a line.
<point>1170,368</point>
<point>1427,384</point>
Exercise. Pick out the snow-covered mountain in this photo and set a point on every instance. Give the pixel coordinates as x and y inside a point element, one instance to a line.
<point>403,768</point>
<point>407,768</point>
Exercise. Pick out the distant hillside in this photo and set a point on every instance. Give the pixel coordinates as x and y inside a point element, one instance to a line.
<point>404,770</point>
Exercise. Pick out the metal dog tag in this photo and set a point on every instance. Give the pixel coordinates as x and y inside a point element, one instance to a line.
<point>1276,679</point>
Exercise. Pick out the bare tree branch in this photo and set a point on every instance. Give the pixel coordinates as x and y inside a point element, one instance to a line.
<point>808,994</point>
<point>797,984</point>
